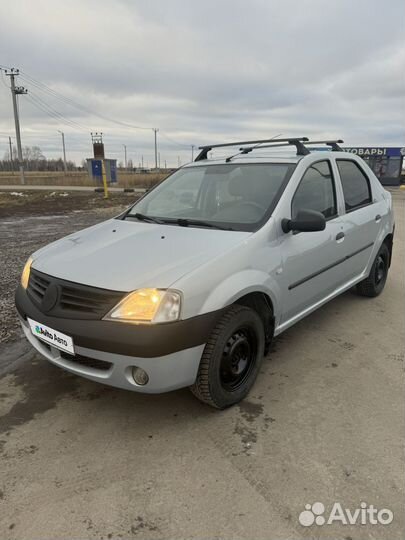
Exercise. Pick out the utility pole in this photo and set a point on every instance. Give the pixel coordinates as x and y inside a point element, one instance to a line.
<point>159,161</point>
<point>64,150</point>
<point>142,162</point>
<point>192,152</point>
<point>15,91</point>
<point>165,165</point>
<point>178,161</point>
<point>156,156</point>
<point>125,161</point>
<point>11,155</point>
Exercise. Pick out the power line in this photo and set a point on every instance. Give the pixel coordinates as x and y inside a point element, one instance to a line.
<point>173,141</point>
<point>3,80</point>
<point>46,89</point>
<point>52,109</point>
<point>47,109</point>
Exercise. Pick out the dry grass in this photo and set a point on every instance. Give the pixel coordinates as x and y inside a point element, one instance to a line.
<point>79,179</point>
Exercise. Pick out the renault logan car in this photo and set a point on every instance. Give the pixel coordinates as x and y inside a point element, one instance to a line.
<point>190,284</point>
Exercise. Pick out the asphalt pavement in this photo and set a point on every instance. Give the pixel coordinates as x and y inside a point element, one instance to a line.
<point>324,423</point>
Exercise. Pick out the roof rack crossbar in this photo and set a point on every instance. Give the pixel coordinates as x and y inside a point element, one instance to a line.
<point>300,144</point>
<point>207,148</point>
<point>333,144</point>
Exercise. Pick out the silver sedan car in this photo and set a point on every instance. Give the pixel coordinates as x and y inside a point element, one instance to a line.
<point>189,286</point>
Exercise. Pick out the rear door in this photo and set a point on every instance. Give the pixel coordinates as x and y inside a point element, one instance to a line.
<point>362,217</point>
<point>311,260</point>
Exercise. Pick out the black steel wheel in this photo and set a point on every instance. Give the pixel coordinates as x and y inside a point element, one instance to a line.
<point>231,358</point>
<point>374,284</point>
<point>238,358</point>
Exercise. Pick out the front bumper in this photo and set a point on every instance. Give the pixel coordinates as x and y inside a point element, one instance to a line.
<point>169,353</point>
<point>166,373</point>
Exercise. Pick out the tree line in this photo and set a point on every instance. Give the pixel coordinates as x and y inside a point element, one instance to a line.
<point>34,160</point>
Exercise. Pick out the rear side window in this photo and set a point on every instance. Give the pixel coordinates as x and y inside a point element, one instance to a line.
<point>316,191</point>
<point>356,186</point>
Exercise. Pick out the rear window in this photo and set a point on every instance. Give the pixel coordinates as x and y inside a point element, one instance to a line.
<point>356,186</point>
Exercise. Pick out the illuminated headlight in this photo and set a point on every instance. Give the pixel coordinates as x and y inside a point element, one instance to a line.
<point>147,306</point>
<point>25,276</point>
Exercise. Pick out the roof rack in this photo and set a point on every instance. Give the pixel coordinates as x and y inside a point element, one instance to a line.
<point>299,142</point>
<point>333,144</point>
<point>205,149</point>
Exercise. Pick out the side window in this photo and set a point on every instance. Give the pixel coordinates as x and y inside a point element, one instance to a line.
<point>316,191</point>
<point>356,186</point>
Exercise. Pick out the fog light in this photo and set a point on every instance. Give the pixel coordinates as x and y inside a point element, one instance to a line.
<point>140,376</point>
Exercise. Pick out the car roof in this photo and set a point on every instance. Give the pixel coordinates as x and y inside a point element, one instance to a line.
<point>286,158</point>
<point>246,159</point>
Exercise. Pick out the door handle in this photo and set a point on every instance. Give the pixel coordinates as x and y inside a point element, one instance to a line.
<point>340,236</point>
<point>377,218</point>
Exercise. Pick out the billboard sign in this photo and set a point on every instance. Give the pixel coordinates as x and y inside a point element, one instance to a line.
<point>376,151</point>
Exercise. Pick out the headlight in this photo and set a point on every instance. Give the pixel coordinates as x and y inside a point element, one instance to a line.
<point>147,305</point>
<point>25,276</point>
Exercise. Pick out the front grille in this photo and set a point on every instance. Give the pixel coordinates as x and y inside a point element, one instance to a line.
<point>74,301</point>
<point>86,361</point>
<point>37,285</point>
<point>83,300</point>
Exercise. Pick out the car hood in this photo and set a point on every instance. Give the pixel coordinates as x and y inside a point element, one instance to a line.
<point>127,255</point>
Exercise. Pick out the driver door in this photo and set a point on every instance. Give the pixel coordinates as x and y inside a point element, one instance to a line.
<point>311,259</point>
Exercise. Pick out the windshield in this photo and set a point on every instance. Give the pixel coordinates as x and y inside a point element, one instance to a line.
<point>238,196</point>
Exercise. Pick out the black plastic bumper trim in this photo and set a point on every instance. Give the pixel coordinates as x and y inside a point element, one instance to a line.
<point>142,340</point>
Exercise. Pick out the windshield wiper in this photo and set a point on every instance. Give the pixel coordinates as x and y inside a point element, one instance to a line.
<point>142,217</point>
<point>184,222</point>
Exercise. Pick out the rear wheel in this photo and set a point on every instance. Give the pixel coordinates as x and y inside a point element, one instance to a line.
<point>374,284</point>
<point>231,358</point>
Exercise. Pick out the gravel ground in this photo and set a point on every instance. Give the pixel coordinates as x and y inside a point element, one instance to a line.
<point>30,220</point>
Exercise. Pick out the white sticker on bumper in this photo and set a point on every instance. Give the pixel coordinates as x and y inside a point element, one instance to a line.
<point>51,336</point>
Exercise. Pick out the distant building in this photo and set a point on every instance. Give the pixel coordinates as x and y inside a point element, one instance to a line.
<point>95,164</point>
<point>95,169</point>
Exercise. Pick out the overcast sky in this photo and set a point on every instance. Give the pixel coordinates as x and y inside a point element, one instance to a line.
<point>202,72</point>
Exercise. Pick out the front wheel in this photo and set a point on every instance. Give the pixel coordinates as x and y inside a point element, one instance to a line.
<point>374,284</point>
<point>231,358</point>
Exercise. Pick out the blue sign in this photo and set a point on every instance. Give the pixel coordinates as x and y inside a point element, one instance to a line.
<point>96,169</point>
<point>113,168</point>
<point>376,151</point>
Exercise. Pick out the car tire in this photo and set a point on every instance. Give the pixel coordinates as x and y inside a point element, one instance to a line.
<point>231,358</point>
<point>374,284</point>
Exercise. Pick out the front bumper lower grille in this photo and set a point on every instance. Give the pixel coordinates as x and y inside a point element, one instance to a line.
<point>86,361</point>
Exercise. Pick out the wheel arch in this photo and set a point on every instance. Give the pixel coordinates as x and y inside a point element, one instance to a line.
<point>262,304</point>
<point>389,241</point>
<point>240,286</point>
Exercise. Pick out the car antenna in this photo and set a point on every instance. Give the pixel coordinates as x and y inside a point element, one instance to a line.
<point>246,150</point>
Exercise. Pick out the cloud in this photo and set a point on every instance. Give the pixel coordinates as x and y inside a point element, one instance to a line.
<point>206,71</point>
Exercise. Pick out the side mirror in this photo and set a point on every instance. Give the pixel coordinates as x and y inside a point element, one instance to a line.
<point>306,221</point>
